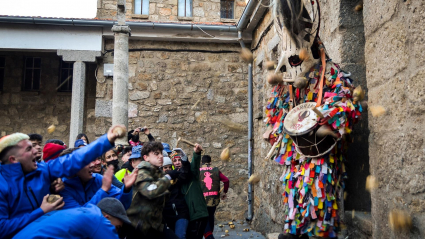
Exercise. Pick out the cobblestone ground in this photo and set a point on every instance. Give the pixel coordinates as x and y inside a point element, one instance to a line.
<point>236,233</point>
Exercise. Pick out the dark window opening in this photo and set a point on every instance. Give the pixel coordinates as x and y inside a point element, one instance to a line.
<point>32,74</point>
<point>2,66</point>
<point>227,8</point>
<point>65,76</point>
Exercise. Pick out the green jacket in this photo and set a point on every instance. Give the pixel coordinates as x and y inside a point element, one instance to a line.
<point>149,194</point>
<point>193,191</point>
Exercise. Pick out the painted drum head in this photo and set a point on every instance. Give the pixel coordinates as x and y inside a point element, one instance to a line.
<point>301,119</point>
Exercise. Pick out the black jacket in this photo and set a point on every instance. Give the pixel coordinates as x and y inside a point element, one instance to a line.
<point>176,207</point>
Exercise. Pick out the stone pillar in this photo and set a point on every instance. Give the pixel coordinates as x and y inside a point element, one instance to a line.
<point>77,102</point>
<point>120,86</point>
<point>78,88</point>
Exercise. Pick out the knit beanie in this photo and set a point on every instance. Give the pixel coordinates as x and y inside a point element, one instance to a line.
<point>52,151</point>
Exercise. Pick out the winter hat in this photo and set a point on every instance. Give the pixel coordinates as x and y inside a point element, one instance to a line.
<point>167,147</point>
<point>113,207</point>
<point>178,153</point>
<point>52,151</point>
<point>12,140</point>
<point>79,143</point>
<point>166,161</point>
<point>136,152</point>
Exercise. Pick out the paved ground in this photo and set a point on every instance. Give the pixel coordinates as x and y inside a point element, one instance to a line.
<point>237,232</point>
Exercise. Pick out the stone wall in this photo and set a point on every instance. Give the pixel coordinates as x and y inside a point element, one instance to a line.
<point>199,96</point>
<point>342,34</point>
<point>394,32</point>
<point>166,11</point>
<point>34,112</point>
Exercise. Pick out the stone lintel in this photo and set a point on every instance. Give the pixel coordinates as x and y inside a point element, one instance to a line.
<point>86,56</point>
<point>121,29</point>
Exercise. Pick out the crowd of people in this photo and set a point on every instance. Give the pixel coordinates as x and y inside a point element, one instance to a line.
<point>103,190</point>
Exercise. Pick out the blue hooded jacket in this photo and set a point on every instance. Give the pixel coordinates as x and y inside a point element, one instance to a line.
<point>77,195</point>
<point>21,195</point>
<point>83,222</point>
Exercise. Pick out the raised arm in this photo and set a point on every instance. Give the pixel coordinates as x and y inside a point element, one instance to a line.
<point>70,164</point>
<point>196,161</point>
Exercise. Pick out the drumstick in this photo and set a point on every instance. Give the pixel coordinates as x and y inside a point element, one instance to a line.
<point>322,56</point>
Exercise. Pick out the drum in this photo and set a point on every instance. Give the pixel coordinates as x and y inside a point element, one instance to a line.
<point>301,124</point>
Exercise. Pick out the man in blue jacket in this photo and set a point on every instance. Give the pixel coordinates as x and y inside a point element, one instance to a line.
<point>91,222</point>
<point>87,187</point>
<point>24,183</point>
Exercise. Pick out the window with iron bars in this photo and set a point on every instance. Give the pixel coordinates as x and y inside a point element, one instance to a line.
<point>32,74</point>
<point>65,76</point>
<point>227,8</point>
<point>185,8</point>
<point>141,7</point>
<point>2,66</point>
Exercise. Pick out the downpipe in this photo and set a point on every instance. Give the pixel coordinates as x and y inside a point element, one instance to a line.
<point>250,128</point>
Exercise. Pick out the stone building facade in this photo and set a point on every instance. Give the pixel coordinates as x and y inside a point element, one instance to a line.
<point>193,95</point>
<point>34,111</point>
<point>395,66</point>
<point>205,11</point>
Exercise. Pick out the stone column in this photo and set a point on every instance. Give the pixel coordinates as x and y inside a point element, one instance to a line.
<point>78,88</point>
<point>120,85</point>
<point>77,102</point>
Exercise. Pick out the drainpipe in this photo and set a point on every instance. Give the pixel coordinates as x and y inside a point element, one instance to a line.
<point>250,128</point>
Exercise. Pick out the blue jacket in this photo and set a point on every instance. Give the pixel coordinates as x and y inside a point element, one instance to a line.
<point>21,195</point>
<point>82,222</point>
<point>77,195</point>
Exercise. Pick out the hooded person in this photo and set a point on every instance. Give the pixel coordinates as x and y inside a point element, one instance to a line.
<point>86,187</point>
<point>24,183</point>
<point>176,212</point>
<point>192,190</point>
<point>102,221</point>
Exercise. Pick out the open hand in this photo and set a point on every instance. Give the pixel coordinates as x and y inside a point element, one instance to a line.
<point>130,179</point>
<point>107,178</point>
<point>48,207</point>
<point>57,185</point>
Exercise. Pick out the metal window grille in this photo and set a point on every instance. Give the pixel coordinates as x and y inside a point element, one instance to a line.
<point>185,8</point>
<point>66,70</point>
<point>2,66</point>
<point>227,8</point>
<point>141,7</point>
<point>32,74</point>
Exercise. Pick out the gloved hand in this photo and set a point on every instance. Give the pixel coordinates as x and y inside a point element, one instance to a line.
<point>173,174</point>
